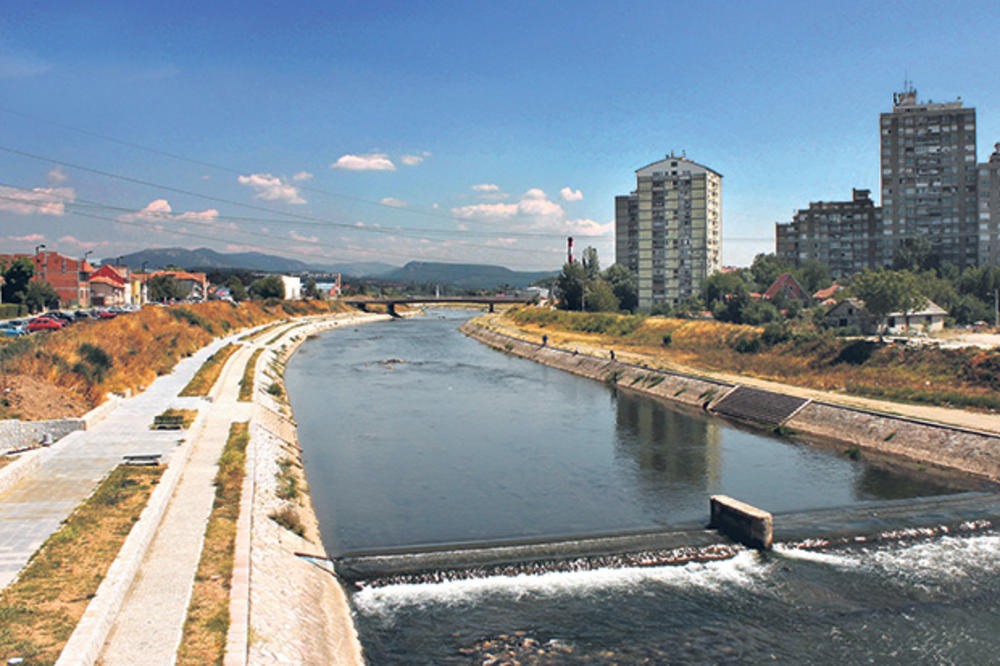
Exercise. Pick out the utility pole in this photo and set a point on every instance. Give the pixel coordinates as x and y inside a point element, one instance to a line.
<point>996,308</point>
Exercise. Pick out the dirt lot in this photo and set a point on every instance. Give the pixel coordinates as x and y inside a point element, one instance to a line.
<point>30,399</point>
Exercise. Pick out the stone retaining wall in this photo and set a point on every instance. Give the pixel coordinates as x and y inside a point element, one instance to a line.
<point>16,434</point>
<point>966,451</point>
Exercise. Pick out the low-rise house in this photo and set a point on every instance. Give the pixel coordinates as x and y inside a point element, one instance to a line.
<point>195,284</point>
<point>852,312</point>
<point>109,285</point>
<point>791,289</point>
<point>826,296</point>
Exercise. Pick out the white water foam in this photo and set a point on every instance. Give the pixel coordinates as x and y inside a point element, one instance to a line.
<point>744,570</point>
<point>943,560</point>
<point>833,559</point>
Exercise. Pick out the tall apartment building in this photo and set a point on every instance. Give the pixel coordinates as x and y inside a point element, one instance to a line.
<point>669,230</point>
<point>929,176</point>
<point>844,235</point>
<point>989,209</point>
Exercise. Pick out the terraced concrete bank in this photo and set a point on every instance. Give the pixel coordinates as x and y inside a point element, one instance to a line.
<point>283,608</point>
<point>975,453</point>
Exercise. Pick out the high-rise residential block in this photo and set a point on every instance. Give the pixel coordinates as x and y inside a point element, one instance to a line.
<point>669,230</point>
<point>842,234</point>
<point>989,209</point>
<point>929,178</point>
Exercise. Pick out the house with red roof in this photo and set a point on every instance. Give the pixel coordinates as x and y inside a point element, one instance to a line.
<point>109,285</point>
<point>790,287</point>
<point>68,276</point>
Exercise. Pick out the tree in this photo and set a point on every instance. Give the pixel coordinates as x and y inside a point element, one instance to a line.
<point>312,291</point>
<point>720,285</point>
<point>267,287</point>
<point>16,277</point>
<point>916,254</point>
<point>600,298</point>
<point>236,289</point>
<point>591,264</point>
<point>624,286</point>
<point>40,295</point>
<point>886,291</point>
<point>164,288</point>
<point>765,270</point>
<point>813,275</point>
<point>570,286</point>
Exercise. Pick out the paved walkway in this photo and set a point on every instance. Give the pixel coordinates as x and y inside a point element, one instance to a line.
<point>33,509</point>
<point>147,629</point>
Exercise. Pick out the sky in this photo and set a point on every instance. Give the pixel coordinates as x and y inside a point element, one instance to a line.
<point>465,132</point>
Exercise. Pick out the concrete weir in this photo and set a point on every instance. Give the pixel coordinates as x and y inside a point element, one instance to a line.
<point>741,522</point>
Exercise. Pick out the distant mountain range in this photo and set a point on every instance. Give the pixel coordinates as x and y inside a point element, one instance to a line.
<point>205,259</point>
<point>467,276</point>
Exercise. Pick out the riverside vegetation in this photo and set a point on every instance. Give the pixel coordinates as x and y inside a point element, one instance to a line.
<point>76,367</point>
<point>814,359</point>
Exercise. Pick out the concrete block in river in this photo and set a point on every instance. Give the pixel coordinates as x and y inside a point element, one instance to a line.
<point>741,522</point>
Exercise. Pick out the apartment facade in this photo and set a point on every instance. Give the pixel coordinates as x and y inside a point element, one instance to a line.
<point>69,276</point>
<point>669,230</point>
<point>989,209</point>
<point>929,178</point>
<point>845,235</point>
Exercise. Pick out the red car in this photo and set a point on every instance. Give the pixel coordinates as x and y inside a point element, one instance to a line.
<point>106,314</point>
<point>44,324</point>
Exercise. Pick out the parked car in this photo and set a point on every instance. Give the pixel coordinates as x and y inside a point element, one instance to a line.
<point>60,316</point>
<point>9,330</point>
<point>106,314</point>
<point>44,324</point>
<point>80,315</point>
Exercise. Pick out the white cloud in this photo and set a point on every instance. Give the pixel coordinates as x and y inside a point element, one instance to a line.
<point>486,187</point>
<point>294,235</point>
<point>272,188</point>
<point>533,212</point>
<point>302,175</point>
<point>40,200</point>
<point>411,160</point>
<point>30,238</point>
<point>369,162</point>
<point>569,194</point>
<point>392,201</point>
<point>56,176</point>
<point>86,245</point>
<point>159,210</point>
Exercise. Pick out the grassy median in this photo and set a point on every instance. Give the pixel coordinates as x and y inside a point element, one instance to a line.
<point>246,383</point>
<point>209,372</point>
<point>204,639</point>
<point>39,611</point>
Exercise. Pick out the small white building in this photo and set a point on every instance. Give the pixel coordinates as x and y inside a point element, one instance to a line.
<point>293,287</point>
<point>852,312</point>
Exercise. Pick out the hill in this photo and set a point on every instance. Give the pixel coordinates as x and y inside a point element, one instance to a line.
<point>205,258</point>
<point>468,276</point>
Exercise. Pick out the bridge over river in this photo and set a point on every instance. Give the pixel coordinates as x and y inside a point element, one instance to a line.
<point>393,301</point>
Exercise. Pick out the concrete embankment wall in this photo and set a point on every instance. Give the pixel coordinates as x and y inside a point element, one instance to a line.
<point>968,452</point>
<point>296,611</point>
<point>684,389</point>
<point>16,434</point>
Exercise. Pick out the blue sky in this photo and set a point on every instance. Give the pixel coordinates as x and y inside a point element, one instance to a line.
<point>462,132</point>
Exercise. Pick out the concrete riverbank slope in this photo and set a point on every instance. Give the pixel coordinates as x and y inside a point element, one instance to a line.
<point>969,452</point>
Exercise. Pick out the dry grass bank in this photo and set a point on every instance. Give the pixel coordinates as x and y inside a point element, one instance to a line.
<point>79,365</point>
<point>925,375</point>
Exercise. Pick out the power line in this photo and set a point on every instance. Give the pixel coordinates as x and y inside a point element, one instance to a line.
<point>226,169</point>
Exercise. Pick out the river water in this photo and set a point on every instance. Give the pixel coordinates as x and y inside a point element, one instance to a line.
<point>414,435</point>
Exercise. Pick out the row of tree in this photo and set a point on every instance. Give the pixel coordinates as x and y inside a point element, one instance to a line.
<point>18,286</point>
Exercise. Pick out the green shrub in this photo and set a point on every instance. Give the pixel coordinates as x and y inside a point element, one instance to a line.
<point>667,339</point>
<point>750,344</point>
<point>193,318</point>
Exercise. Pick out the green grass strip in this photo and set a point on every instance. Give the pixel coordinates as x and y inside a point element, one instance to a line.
<point>209,372</point>
<point>246,383</point>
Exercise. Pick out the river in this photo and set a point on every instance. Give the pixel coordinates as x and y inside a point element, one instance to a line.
<point>415,435</point>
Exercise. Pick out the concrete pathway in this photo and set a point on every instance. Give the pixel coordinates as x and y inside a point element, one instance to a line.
<point>31,510</point>
<point>148,627</point>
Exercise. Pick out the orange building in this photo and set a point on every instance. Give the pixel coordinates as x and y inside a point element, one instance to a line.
<point>67,275</point>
